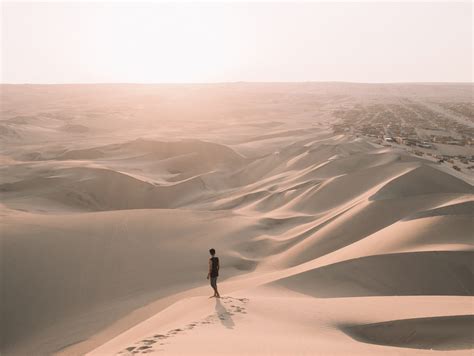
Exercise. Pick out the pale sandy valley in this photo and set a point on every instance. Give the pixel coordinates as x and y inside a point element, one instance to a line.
<point>332,242</point>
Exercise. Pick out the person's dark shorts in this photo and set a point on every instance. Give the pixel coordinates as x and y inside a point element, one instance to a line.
<point>214,282</point>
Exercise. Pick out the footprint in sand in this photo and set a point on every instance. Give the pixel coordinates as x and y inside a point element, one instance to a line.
<point>150,344</point>
<point>144,348</point>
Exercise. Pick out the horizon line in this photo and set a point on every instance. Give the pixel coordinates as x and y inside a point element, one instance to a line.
<point>244,82</point>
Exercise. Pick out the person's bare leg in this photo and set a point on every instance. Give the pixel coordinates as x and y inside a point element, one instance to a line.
<point>214,286</point>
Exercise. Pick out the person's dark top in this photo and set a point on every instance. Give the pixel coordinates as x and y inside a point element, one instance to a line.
<point>214,267</point>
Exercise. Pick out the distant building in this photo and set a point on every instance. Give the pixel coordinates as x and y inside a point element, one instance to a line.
<point>425,145</point>
<point>455,142</point>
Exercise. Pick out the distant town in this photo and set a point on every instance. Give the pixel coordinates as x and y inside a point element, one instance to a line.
<point>442,132</point>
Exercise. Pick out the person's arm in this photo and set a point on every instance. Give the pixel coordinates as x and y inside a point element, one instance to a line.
<point>218,265</point>
<point>209,270</point>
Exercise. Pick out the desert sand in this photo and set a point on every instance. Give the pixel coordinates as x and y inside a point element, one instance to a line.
<point>330,244</point>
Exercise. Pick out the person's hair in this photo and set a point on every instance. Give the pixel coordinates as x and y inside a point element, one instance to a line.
<point>212,251</point>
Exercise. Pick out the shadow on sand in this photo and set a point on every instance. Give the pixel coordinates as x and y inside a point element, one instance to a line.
<point>224,315</point>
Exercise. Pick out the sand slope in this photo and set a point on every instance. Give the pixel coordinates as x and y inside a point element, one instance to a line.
<point>437,333</point>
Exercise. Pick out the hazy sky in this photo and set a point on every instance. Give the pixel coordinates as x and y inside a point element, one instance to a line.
<point>211,42</point>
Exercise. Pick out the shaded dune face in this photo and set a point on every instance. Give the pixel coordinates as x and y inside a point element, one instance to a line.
<point>417,273</point>
<point>464,209</point>
<point>422,181</point>
<point>438,333</point>
<point>96,225</point>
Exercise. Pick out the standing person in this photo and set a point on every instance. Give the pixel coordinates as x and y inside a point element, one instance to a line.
<point>213,272</point>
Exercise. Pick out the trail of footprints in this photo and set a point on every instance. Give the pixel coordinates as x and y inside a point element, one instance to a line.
<point>156,342</point>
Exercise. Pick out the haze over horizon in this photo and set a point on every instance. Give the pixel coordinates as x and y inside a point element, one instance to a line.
<point>66,43</point>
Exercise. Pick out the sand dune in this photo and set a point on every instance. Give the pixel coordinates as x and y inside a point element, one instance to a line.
<point>421,181</point>
<point>438,333</point>
<point>97,189</point>
<point>161,150</point>
<point>416,273</point>
<point>330,243</point>
<point>461,208</point>
<point>299,325</point>
<point>101,266</point>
